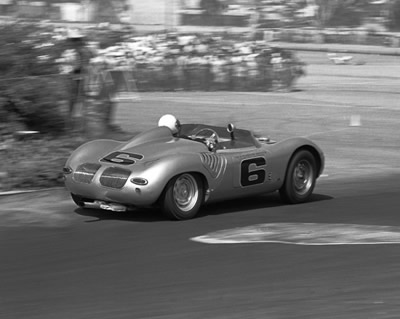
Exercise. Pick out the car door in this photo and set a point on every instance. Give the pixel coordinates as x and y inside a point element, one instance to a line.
<point>247,172</point>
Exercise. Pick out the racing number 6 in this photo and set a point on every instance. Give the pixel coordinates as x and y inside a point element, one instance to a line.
<point>250,177</point>
<point>122,158</point>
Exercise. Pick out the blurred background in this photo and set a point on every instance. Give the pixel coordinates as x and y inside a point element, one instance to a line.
<point>67,67</point>
<point>373,15</point>
<point>73,71</point>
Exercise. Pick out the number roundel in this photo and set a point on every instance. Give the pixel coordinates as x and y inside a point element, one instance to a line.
<point>122,158</point>
<point>251,174</point>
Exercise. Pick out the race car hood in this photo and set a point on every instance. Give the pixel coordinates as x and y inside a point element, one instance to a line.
<point>159,143</point>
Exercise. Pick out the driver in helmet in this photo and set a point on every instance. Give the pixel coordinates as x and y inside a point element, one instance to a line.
<point>174,125</point>
<point>171,122</point>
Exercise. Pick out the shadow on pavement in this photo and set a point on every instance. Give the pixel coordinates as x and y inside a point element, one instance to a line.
<point>137,215</point>
<point>251,203</point>
<point>224,207</point>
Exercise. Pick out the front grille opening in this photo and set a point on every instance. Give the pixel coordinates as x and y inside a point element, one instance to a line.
<point>114,177</point>
<point>85,172</point>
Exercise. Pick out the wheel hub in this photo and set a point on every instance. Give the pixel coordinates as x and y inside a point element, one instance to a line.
<point>185,192</point>
<point>303,176</point>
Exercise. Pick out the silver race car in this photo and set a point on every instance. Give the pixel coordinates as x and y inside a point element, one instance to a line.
<point>180,167</point>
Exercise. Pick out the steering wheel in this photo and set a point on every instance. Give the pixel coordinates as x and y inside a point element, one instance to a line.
<point>207,136</point>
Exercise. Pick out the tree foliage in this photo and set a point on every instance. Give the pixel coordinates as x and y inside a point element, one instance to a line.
<point>31,87</point>
<point>394,15</point>
<point>340,12</point>
<point>212,7</point>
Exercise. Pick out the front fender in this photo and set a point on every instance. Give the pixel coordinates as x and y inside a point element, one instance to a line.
<point>159,172</point>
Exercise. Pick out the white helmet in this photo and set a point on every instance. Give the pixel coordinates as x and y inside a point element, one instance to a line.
<point>171,122</point>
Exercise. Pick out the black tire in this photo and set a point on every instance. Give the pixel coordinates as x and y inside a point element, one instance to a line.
<point>300,178</point>
<point>183,196</point>
<point>78,200</point>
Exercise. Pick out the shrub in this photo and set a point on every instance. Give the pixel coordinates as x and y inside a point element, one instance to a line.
<point>394,15</point>
<point>30,85</point>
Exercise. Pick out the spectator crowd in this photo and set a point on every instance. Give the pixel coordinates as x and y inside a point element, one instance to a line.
<point>169,62</point>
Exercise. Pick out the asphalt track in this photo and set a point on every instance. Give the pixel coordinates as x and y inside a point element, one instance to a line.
<point>58,261</point>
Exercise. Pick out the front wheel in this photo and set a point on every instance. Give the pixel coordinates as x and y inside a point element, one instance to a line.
<point>183,196</point>
<point>300,178</point>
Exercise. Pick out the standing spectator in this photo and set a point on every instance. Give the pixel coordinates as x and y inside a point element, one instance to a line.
<point>252,71</point>
<point>294,69</point>
<point>217,69</point>
<point>169,66</point>
<point>78,56</point>
<point>187,74</point>
<point>207,74</point>
<point>180,71</point>
<point>283,70</point>
<point>264,80</point>
<point>141,73</point>
<point>240,75</point>
<point>155,73</point>
<point>202,72</point>
<point>287,76</point>
<point>195,72</point>
<point>226,73</point>
<point>278,70</point>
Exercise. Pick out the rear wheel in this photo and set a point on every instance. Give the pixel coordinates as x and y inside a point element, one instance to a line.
<point>183,196</point>
<point>300,178</point>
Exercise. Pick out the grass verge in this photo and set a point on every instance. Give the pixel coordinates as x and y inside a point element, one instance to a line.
<point>37,163</point>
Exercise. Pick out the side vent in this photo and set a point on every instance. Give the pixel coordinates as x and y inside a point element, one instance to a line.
<point>215,164</point>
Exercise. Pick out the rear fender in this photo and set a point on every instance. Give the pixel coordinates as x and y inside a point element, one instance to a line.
<point>283,152</point>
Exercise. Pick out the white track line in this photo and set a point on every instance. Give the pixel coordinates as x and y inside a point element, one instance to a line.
<point>312,234</point>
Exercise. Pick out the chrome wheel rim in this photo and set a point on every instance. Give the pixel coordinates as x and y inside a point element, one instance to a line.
<point>303,177</point>
<point>186,192</point>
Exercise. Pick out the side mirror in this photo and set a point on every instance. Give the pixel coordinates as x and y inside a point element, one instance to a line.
<point>231,129</point>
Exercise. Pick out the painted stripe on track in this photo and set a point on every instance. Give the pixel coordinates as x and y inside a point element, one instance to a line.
<point>305,234</point>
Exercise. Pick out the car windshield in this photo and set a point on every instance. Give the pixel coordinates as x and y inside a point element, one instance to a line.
<point>242,138</point>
